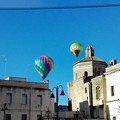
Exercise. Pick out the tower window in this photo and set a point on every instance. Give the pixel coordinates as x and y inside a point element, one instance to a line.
<point>97,92</point>
<point>86,73</point>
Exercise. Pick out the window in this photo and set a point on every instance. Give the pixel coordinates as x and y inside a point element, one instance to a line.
<point>112,91</point>
<point>9,98</point>
<point>114,118</point>
<point>39,98</point>
<point>8,116</point>
<point>98,72</point>
<point>75,115</point>
<point>39,117</point>
<point>0,89</point>
<point>85,90</point>
<point>85,73</point>
<point>8,88</point>
<point>97,92</point>
<point>24,117</point>
<point>24,99</point>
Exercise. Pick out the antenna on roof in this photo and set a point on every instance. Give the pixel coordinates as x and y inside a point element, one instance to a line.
<point>5,64</point>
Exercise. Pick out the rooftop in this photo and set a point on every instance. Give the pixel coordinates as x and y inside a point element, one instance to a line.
<point>113,68</point>
<point>90,56</point>
<point>23,84</point>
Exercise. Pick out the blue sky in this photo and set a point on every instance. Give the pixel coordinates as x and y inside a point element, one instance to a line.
<point>27,34</point>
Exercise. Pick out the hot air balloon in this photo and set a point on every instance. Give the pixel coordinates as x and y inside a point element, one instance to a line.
<point>43,65</point>
<point>76,49</point>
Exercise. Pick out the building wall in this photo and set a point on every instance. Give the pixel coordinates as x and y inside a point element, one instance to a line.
<point>31,108</point>
<point>82,89</point>
<point>80,69</point>
<point>97,96</point>
<point>98,68</point>
<point>113,101</point>
<point>77,87</point>
<point>113,110</point>
<point>112,77</point>
<point>80,96</point>
<point>97,82</point>
<point>76,93</point>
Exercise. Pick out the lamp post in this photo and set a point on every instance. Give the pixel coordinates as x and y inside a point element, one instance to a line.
<point>4,108</point>
<point>57,98</point>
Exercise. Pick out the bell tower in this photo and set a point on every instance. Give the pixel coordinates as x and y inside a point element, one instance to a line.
<point>89,51</point>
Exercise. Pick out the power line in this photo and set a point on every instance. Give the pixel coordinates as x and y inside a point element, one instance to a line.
<point>62,7</point>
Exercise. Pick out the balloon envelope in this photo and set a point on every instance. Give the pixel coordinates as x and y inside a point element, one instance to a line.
<point>44,65</point>
<point>76,49</point>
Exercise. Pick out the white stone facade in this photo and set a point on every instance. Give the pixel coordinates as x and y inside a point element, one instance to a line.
<point>25,100</point>
<point>113,92</point>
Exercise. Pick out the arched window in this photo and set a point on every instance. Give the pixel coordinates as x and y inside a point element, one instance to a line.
<point>97,92</point>
<point>85,73</point>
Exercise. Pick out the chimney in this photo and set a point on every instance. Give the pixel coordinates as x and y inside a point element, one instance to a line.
<point>113,62</point>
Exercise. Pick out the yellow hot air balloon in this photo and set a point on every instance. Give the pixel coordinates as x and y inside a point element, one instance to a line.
<point>76,48</point>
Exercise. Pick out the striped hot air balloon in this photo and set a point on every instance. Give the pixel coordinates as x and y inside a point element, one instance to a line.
<point>44,65</point>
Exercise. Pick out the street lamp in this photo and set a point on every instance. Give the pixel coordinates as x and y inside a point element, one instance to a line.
<point>4,108</point>
<point>52,96</point>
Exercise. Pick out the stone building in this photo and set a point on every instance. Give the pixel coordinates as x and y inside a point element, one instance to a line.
<point>112,76</point>
<point>22,100</point>
<point>85,91</point>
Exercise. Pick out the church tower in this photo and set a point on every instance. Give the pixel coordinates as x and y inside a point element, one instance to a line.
<point>89,65</point>
<point>80,88</point>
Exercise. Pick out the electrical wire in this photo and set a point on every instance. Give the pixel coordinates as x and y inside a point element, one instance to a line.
<point>62,7</point>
